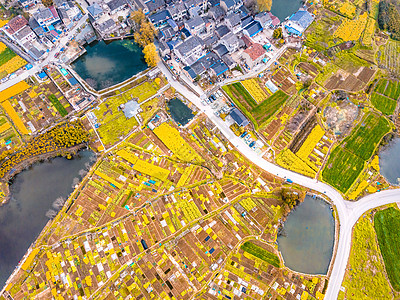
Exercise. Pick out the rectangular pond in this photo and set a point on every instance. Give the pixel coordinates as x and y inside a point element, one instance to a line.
<point>179,111</point>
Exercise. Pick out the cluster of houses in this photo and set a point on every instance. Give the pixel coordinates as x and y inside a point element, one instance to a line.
<point>201,36</point>
<point>213,36</point>
<point>109,18</point>
<point>44,27</point>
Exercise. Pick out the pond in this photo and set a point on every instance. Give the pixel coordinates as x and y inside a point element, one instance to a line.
<point>106,64</point>
<point>33,193</point>
<point>285,8</point>
<point>307,239</point>
<point>179,111</point>
<point>389,161</point>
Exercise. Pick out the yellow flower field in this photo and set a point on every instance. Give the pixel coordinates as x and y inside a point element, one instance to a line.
<point>173,140</point>
<point>2,46</point>
<point>351,30</point>
<point>13,90</point>
<point>5,127</point>
<point>14,117</point>
<point>348,9</point>
<point>251,85</point>
<point>13,64</point>
<point>311,141</point>
<point>361,187</point>
<point>368,32</point>
<point>291,161</point>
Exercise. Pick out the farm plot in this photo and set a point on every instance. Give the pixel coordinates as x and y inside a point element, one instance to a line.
<point>348,159</point>
<point>387,224</point>
<point>342,169</point>
<point>111,121</point>
<point>351,30</point>
<point>319,35</point>
<point>261,253</point>
<point>257,113</point>
<point>255,90</point>
<point>389,56</point>
<point>388,88</point>
<point>367,135</point>
<point>383,103</point>
<point>9,61</point>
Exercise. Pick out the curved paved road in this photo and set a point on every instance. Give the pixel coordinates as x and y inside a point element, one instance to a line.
<point>349,212</point>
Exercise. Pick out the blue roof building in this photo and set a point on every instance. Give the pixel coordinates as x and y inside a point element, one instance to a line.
<point>252,29</point>
<point>238,117</point>
<point>299,22</point>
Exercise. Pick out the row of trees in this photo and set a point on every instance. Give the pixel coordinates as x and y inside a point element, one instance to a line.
<point>389,19</point>
<point>144,34</point>
<point>58,138</point>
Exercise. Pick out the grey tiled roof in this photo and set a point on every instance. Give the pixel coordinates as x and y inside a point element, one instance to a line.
<point>189,44</point>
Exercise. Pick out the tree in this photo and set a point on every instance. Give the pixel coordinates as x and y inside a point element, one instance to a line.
<point>47,3</point>
<point>138,17</point>
<point>151,55</point>
<point>145,35</point>
<point>264,5</point>
<point>277,33</point>
<point>289,197</point>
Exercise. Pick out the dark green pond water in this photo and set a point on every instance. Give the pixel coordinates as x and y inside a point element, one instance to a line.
<point>389,161</point>
<point>179,111</point>
<point>285,8</point>
<point>106,64</point>
<point>33,193</point>
<point>307,238</point>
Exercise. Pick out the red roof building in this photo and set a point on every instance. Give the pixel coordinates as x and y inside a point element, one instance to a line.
<point>16,24</point>
<point>253,54</point>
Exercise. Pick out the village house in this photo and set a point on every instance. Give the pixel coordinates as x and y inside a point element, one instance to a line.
<point>253,55</point>
<point>299,22</point>
<point>46,17</point>
<point>230,6</point>
<point>95,11</point>
<point>190,50</point>
<point>177,11</point>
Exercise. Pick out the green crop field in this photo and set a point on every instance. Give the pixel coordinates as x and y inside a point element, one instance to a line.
<point>57,104</point>
<point>258,114</point>
<point>365,277</point>
<point>381,86</point>
<point>342,169</point>
<point>366,135</point>
<point>387,227</point>
<point>261,253</point>
<point>383,103</point>
<point>6,55</point>
<point>392,90</point>
<point>388,88</point>
<point>347,160</point>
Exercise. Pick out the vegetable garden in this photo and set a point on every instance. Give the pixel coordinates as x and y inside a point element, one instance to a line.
<point>261,253</point>
<point>260,113</point>
<point>9,61</point>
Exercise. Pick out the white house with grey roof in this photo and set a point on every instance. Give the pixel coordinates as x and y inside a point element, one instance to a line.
<point>95,11</point>
<point>177,11</point>
<point>190,50</point>
<point>231,42</point>
<point>196,26</point>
